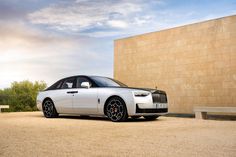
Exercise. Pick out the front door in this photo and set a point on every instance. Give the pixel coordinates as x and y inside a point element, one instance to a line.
<point>85,101</point>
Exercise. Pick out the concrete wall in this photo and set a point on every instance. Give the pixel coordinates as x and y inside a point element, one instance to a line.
<point>195,64</point>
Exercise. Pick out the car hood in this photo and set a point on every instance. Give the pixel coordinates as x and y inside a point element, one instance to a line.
<point>145,89</point>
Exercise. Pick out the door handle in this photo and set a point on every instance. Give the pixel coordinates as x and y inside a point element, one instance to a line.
<point>72,92</point>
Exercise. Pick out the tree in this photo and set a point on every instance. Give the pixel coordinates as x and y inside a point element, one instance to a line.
<point>21,96</point>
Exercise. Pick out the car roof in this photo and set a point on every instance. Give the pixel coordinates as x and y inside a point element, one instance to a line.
<point>84,76</point>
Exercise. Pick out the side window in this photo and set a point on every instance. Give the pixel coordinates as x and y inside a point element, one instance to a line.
<point>58,85</point>
<point>68,83</point>
<point>82,79</point>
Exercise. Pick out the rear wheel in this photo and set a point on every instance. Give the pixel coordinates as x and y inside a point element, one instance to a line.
<point>49,109</point>
<point>116,110</point>
<point>151,117</point>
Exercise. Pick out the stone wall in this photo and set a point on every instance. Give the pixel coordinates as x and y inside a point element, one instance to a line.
<point>195,64</point>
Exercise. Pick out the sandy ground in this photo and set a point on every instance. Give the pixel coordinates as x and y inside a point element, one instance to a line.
<point>30,134</point>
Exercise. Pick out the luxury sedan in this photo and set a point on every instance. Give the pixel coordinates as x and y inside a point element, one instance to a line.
<point>101,96</point>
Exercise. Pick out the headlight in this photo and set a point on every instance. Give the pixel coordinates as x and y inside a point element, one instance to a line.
<point>141,94</point>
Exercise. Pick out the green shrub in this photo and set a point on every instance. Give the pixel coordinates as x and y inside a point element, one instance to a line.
<point>21,96</point>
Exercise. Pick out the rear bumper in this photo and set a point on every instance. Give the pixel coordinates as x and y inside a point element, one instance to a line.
<point>39,105</point>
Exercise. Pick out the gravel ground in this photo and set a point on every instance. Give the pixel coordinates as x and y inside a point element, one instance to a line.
<point>30,134</point>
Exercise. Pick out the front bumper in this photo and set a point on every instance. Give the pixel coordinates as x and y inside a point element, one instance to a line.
<point>154,103</point>
<point>150,110</point>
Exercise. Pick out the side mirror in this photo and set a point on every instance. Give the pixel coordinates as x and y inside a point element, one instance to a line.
<point>85,85</point>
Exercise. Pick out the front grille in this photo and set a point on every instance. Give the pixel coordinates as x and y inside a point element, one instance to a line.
<point>159,98</point>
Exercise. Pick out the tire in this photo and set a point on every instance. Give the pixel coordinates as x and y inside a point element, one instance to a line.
<point>116,110</point>
<point>135,117</point>
<point>151,117</point>
<point>49,109</point>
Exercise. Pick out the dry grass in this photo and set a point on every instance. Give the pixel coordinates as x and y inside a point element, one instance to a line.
<point>30,134</point>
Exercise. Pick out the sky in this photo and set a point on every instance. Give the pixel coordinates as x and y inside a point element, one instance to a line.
<point>51,39</point>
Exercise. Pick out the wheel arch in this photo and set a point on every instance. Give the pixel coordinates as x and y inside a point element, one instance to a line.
<point>47,98</point>
<point>54,113</point>
<point>109,98</point>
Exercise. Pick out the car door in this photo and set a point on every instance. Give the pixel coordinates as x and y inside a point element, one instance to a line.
<point>63,97</point>
<point>85,101</point>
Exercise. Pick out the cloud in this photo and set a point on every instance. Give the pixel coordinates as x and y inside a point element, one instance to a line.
<point>20,36</point>
<point>117,24</point>
<point>108,18</point>
<point>84,15</point>
<point>30,53</point>
<point>8,11</point>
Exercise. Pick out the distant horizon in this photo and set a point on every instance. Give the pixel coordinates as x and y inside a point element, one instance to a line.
<point>52,39</point>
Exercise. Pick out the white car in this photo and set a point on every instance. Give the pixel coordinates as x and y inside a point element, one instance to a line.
<point>101,96</point>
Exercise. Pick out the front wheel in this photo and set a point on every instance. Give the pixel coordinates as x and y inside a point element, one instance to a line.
<point>49,109</point>
<point>151,117</point>
<point>116,110</point>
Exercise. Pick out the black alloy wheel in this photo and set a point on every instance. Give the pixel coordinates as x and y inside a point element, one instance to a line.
<point>49,109</point>
<point>116,110</point>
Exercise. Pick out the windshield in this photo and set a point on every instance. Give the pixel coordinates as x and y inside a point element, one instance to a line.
<point>107,82</point>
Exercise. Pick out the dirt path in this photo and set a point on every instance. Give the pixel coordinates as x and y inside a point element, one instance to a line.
<point>30,134</point>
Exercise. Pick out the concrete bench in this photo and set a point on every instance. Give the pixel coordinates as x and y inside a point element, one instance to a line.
<point>3,106</point>
<point>201,112</point>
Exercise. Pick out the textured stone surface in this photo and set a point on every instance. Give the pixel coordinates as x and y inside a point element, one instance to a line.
<point>195,64</point>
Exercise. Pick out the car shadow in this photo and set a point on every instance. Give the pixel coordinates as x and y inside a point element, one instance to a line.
<point>93,118</point>
<point>82,117</point>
